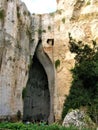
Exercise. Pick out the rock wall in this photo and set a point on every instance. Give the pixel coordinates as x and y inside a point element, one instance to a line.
<point>80,18</point>
<point>15,26</point>
<point>19,34</point>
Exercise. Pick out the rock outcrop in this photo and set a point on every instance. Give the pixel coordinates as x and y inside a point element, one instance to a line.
<point>15,27</point>
<point>78,17</point>
<point>78,118</point>
<point>19,34</point>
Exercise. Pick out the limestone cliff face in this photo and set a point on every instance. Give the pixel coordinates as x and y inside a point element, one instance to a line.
<point>15,27</point>
<point>79,17</point>
<point>19,34</point>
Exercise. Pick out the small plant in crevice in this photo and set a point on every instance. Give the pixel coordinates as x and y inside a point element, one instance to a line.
<point>10,58</point>
<point>44,31</point>
<point>24,92</point>
<point>29,13</point>
<point>25,13</point>
<point>40,31</point>
<point>63,20</point>
<point>49,27</point>
<point>18,46</point>
<point>18,8</point>
<point>30,62</point>
<point>18,13</point>
<point>29,33</point>
<point>88,2</point>
<point>32,41</point>
<point>51,14</point>
<point>2,14</point>
<point>19,115</point>
<point>59,11</point>
<point>57,63</point>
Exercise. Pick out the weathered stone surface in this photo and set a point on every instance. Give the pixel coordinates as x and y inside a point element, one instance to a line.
<point>19,33</point>
<point>14,55</point>
<point>77,118</point>
<point>79,17</point>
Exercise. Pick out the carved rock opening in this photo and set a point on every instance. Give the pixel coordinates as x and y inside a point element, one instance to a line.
<point>50,41</point>
<point>37,100</point>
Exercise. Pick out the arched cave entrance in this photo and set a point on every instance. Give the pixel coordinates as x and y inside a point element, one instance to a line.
<point>37,99</point>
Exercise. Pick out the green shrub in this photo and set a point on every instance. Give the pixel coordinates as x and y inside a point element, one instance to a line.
<point>57,63</point>
<point>84,88</point>
<point>40,126</point>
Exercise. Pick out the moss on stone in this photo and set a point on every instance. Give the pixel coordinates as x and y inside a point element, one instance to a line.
<point>2,13</point>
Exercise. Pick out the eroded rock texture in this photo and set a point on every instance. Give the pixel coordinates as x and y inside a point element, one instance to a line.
<point>78,17</point>
<point>15,39</point>
<point>19,34</point>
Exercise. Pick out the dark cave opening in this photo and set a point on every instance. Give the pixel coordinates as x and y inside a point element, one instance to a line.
<point>37,99</point>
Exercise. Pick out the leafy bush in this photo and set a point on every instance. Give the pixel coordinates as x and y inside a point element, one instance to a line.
<point>21,126</point>
<point>84,88</point>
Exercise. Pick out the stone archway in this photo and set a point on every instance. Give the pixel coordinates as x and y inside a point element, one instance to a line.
<point>39,100</point>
